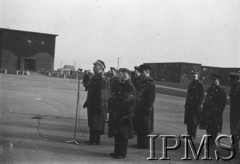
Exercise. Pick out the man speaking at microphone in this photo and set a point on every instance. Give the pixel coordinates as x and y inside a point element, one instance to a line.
<point>95,104</point>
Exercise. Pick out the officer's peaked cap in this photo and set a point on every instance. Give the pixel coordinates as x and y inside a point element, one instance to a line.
<point>194,72</point>
<point>125,70</point>
<point>112,68</point>
<point>137,68</point>
<point>145,67</point>
<point>101,63</point>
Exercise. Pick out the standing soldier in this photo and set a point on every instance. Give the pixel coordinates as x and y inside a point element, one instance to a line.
<point>193,104</point>
<point>95,104</point>
<point>136,79</point>
<point>235,109</point>
<point>106,95</point>
<point>122,112</point>
<point>145,111</point>
<point>213,107</point>
<point>114,81</point>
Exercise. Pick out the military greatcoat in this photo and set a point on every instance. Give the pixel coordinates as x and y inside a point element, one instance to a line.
<point>235,109</point>
<point>145,110</point>
<point>213,108</point>
<point>122,107</point>
<point>95,103</point>
<point>86,80</point>
<point>136,81</point>
<point>195,96</point>
<point>114,83</point>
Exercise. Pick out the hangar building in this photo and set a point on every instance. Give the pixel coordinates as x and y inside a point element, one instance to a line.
<point>26,50</point>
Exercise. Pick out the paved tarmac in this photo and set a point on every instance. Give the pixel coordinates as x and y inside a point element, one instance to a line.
<point>27,140</point>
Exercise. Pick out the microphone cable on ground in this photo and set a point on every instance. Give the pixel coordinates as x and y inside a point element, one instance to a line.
<point>38,128</point>
<point>38,117</point>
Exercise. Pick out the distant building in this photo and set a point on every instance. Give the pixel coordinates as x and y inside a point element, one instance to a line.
<point>173,72</point>
<point>223,72</point>
<point>26,50</point>
<point>69,67</point>
<point>179,72</point>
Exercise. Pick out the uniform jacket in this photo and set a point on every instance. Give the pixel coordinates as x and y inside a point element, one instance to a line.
<point>213,107</point>
<point>235,109</point>
<point>122,106</point>
<point>114,81</point>
<point>86,79</point>
<point>195,96</point>
<point>95,102</point>
<point>136,81</point>
<point>145,110</point>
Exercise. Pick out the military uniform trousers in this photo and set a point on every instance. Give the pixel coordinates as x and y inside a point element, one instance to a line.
<point>235,123</point>
<point>121,143</point>
<point>143,130</point>
<point>235,144</point>
<point>95,136</point>
<point>142,140</point>
<point>192,130</point>
<point>192,124</point>
<point>212,130</point>
<point>121,136</point>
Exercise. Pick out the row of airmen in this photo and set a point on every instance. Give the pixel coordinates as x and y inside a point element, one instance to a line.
<point>207,111</point>
<point>128,98</point>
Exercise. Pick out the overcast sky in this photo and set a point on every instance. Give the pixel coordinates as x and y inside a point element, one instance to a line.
<point>136,31</point>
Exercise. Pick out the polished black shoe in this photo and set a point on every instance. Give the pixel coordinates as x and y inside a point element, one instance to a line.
<point>119,157</point>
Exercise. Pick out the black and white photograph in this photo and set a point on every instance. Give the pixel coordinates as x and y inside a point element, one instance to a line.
<point>119,81</point>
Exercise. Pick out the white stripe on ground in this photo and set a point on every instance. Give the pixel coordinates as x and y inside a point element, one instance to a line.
<point>177,89</point>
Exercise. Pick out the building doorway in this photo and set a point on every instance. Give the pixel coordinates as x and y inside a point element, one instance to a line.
<point>30,64</point>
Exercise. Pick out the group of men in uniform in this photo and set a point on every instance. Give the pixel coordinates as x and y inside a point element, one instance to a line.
<point>128,98</point>
<point>129,103</point>
<point>208,112</point>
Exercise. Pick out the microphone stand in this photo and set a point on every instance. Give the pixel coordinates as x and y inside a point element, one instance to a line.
<point>76,118</point>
